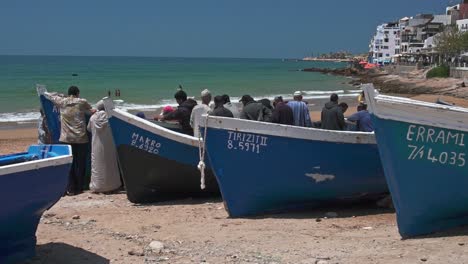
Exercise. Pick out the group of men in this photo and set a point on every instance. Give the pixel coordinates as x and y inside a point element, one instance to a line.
<point>189,113</point>
<point>294,112</point>
<point>104,174</point>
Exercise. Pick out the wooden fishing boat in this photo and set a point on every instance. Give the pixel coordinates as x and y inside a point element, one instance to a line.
<point>156,163</point>
<point>423,152</point>
<point>264,167</point>
<point>30,183</point>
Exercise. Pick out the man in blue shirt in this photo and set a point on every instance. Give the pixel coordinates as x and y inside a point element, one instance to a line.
<point>362,119</point>
<point>300,111</point>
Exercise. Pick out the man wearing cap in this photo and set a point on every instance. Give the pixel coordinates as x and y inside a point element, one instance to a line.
<point>253,110</point>
<point>282,114</point>
<point>182,113</point>
<point>199,110</point>
<point>300,111</point>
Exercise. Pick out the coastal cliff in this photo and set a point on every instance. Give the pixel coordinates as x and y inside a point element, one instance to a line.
<point>414,82</point>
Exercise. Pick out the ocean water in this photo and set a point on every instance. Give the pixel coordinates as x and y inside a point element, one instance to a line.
<point>147,83</point>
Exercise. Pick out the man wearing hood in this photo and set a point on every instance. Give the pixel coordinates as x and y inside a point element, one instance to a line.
<point>332,115</point>
<point>182,113</point>
<point>105,176</point>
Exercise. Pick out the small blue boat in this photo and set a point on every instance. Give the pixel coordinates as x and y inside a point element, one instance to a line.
<point>265,167</point>
<point>30,183</point>
<point>157,164</point>
<point>423,152</point>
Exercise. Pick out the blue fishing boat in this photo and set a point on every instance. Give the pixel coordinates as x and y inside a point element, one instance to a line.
<point>51,112</point>
<point>157,163</point>
<point>264,167</point>
<point>30,183</point>
<point>423,152</point>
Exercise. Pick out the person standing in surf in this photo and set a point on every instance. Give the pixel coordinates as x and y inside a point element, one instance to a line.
<point>73,111</point>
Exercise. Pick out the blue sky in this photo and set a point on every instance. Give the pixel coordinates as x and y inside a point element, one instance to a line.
<point>197,28</point>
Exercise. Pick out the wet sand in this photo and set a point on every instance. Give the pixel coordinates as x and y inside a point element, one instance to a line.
<point>92,228</point>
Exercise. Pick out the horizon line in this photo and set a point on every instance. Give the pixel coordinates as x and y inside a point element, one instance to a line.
<point>145,56</point>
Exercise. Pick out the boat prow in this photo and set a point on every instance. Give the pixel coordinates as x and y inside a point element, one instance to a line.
<point>423,151</point>
<point>157,164</point>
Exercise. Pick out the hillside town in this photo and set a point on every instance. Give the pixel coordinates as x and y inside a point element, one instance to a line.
<point>415,39</point>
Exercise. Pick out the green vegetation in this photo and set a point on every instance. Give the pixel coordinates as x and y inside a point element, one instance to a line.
<point>442,71</point>
<point>451,42</point>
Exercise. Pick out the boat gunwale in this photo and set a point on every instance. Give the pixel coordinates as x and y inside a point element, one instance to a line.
<point>414,111</point>
<point>151,127</point>
<point>289,131</point>
<point>37,164</point>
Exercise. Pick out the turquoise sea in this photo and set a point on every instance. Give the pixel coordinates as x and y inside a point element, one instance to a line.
<point>147,83</point>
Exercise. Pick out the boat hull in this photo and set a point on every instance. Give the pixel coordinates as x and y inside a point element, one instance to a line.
<point>27,194</point>
<point>427,177</point>
<point>277,173</point>
<point>156,168</point>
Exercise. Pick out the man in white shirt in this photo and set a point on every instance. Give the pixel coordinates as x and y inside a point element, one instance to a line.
<point>200,110</point>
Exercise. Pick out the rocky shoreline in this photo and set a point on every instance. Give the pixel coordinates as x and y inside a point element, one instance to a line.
<point>412,83</point>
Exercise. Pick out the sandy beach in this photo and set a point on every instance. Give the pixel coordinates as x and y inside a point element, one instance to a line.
<point>92,228</point>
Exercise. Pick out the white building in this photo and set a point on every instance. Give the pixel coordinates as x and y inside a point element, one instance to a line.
<point>462,25</point>
<point>446,20</point>
<point>385,43</point>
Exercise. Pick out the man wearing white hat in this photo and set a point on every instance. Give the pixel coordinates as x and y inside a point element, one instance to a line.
<point>300,111</point>
<point>200,110</point>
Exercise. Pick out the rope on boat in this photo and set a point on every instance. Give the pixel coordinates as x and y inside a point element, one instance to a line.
<point>201,151</point>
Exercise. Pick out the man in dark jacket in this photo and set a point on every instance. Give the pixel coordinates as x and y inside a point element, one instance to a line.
<point>332,115</point>
<point>282,114</point>
<point>182,113</point>
<point>254,110</point>
<point>219,109</point>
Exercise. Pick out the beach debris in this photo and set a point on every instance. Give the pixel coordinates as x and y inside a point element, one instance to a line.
<point>49,215</point>
<point>136,252</point>
<point>331,214</point>
<point>367,228</point>
<point>423,259</point>
<point>75,217</point>
<point>156,246</point>
<point>321,261</point>
<point>308,261</point>
<point>461,244</point>
<point>318,220</point>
